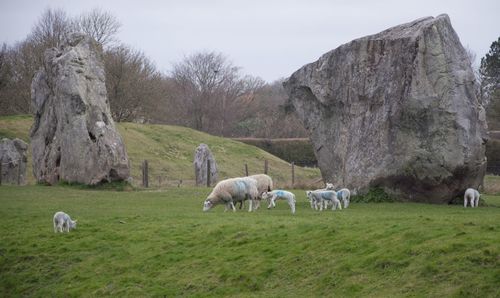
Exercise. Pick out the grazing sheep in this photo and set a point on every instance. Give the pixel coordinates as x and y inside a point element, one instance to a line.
<point>473,196</point>
<point>321,197</point>
<point>232,190</point>
<point>264,183</point>
<point>274,195</point>
<point>62,222</point>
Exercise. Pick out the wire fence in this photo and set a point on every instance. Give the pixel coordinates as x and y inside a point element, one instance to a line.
<point>150,178</point>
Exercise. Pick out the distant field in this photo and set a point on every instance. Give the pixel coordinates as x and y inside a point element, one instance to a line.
<point>160,243</point>
<point>170,151</point>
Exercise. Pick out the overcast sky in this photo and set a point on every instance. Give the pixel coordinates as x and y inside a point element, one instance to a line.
<point>269,39</point>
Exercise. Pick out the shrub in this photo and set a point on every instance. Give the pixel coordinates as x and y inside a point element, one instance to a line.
<point>374,195</point>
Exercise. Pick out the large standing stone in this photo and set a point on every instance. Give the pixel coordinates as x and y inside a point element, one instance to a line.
<point>395,110</point>
<point>201,157</point>
<point>74,137</point>
<point>13,161</point>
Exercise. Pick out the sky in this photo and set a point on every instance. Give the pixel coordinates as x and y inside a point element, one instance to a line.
<point>269,39</point>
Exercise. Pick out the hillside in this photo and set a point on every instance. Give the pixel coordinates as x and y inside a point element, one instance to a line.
<point>170,149</point>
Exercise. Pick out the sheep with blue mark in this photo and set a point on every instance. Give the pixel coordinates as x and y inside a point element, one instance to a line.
<point>232,190</point>
<point>274,195</point>
<point>343,194</point>
<point>264,183</point>
<point>314,202</point>
<point>472,196</point>
<point>322,197</point>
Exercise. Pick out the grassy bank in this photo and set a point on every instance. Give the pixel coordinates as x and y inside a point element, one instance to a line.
<point>170,151</point>
<point>160,243</point>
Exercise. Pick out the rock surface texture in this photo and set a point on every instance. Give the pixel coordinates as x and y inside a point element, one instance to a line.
<point>395,110</point>
<point>73,137</point>
<point>13,161</point>
<point>201,157</point>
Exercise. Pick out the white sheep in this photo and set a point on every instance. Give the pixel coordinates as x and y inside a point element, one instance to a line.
<point>321,197</point>
<point>264,183</point>
<point>62,222</point>
<point>232,190</point>
<point>274,195</point>
<point>473,196</point>
<point>314,203</point>
<point>344,194</point>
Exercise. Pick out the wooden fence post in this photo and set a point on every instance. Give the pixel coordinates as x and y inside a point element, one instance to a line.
<point>145,182</point>
<point>208,172</point>
<point>293,174</point>
<point>159,181</point>
<point>246,170</point>
<point>265,166</point>
<point>19,172</point>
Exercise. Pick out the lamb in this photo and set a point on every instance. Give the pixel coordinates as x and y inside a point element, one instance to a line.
<point>473,196</point>
<point>313,202</point>
<point>232,190</point>
<point>274,195</point>
<point>62,222</point>
<point>320,196</point>
<point>344,194</point>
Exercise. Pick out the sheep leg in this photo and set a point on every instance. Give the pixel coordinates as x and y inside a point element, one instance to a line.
<point>291,203</point>
<point>465,202</point>
<point>270,203</point>
<point>232,206</point>
<point>257,204</point>
<point>250,205</point>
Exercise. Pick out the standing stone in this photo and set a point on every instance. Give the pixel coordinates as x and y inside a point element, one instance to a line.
<point>201,156</point>
<point>396,110</point>
<point>73,137</point>
<point>13,159</point>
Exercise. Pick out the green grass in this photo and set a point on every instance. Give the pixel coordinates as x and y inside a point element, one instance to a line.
<point>170,151</point>
<point>160,243</point>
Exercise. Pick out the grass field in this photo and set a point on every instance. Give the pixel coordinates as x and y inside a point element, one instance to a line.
<point>160,243</point>
<point>170,151</point>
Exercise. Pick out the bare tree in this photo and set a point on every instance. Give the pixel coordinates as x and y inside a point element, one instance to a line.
<point>51,29</point>
<point>207,83</point>
<point>100,25</point>
<point>131,81</point>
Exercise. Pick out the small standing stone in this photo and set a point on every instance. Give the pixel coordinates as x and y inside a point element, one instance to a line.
<point>13,159</point>
<point>201,157</point>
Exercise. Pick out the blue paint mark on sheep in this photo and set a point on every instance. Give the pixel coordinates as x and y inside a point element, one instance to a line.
<point>327,195</point>
<point>240,187</point>
<point>280,193</point>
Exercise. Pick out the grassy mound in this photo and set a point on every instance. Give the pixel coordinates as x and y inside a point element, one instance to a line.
<point>170,150</point>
